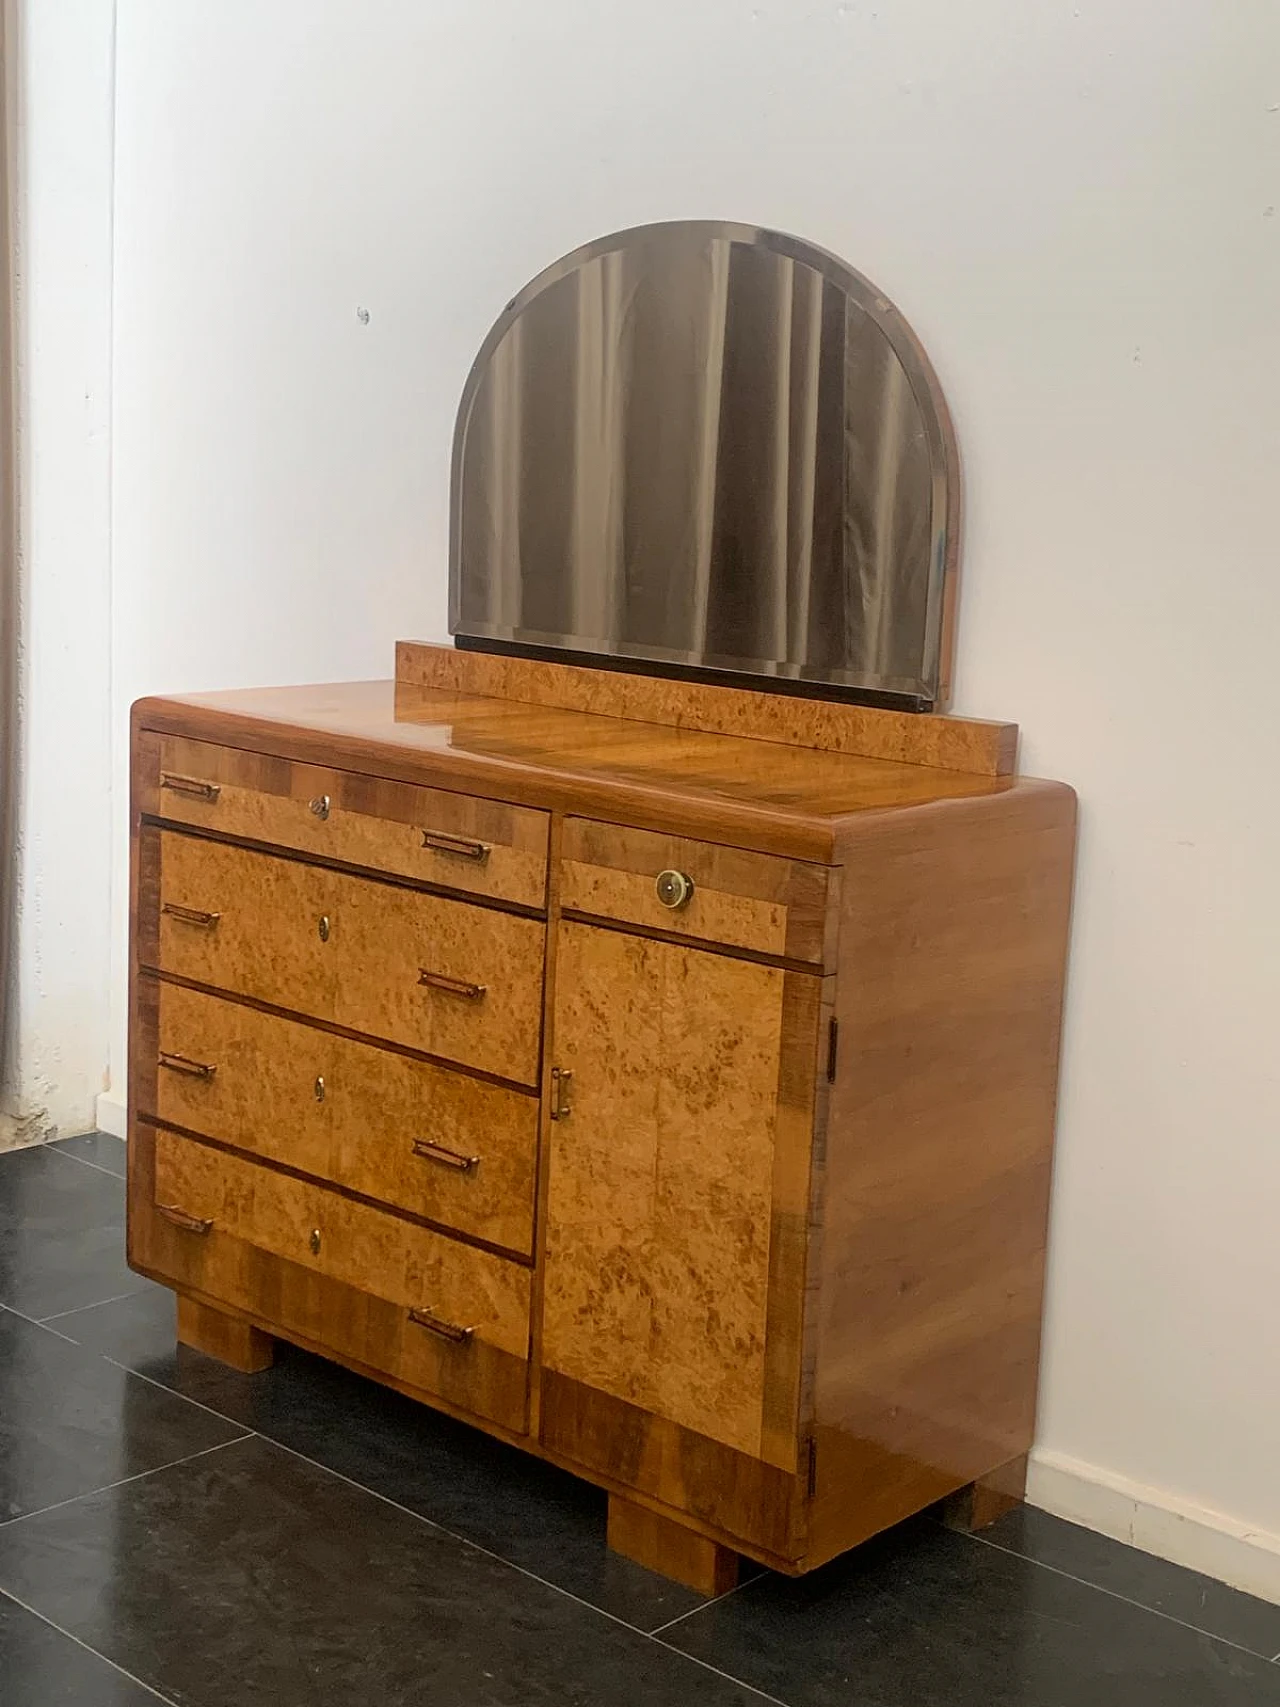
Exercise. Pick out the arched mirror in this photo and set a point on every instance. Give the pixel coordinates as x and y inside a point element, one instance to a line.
<point>716,449</point>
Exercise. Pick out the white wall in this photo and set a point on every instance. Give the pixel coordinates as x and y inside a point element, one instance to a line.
<point>60,991</point>
<point>1076,206</point>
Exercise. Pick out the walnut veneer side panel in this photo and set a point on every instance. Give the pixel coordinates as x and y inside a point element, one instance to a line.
<point>454,841</point>
<point>951,743</point>
<point>939,1141</point>
<point>673,1279</point>
<point>743,900</point>
<point>454,1149</point>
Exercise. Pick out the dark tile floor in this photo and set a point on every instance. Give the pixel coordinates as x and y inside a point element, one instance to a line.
<point>173,1531</point>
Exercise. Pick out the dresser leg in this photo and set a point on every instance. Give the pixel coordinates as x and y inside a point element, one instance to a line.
<point>982,1502</point>
<point>225,1337</point>
<point>667,1547</point>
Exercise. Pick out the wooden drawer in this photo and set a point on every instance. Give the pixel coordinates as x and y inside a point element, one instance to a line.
<point>457,1150</point>
<point>455,841</point>
<point>439,975</point>
<point>743,900</point>
<point>458,1313</point>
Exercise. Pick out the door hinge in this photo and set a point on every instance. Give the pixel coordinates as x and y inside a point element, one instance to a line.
<point>812,1470</point>
<point>833,1034</point>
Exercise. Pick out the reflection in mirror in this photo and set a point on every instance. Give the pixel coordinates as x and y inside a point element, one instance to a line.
<point>714,448</point>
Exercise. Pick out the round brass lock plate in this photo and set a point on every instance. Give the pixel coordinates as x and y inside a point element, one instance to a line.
<point>674,889</point>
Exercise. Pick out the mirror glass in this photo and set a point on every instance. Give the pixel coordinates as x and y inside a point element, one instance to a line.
<point>715,448</point>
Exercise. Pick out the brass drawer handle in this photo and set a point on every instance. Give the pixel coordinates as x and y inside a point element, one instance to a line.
<point>191,915</point>
<point>674,889</point>
<point>188,1223</point>
<point>191,785</point>
<point>451,986</point>
<point>437,1325</point>
<point>184,1064</point>
<point>561,1079</point>
<point>439,841</point>
<point>447,1158</point>
<point>319,807</point>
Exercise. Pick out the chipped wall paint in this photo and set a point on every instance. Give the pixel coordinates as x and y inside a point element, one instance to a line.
<point>59,996</point>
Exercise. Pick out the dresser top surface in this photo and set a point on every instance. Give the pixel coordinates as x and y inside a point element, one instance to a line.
<point>576,760</point>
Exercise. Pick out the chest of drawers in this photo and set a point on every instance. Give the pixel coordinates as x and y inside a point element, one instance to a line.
<point>661,1082</point>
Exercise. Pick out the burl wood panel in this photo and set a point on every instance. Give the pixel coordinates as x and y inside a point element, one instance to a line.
<point>670,1548</point>
<point>296,1301</point>
<point>758,794</point>
<point>351,950</point>
<point>692,1086</point>
<point>427,834</point>
<point>939,1142</point>
<point>350,1242</point>
<point>744,900</point>
<point>950,743</point>
<point>346,1112</point>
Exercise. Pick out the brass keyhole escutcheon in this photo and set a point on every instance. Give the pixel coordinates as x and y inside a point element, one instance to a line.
<point>323,927</point>
<point>319,1087</point>
<point>320,805</point>
<point>674,889</point>
<point>314,1241</point>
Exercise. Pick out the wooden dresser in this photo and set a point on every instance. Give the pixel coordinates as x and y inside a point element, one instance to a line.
<point>659,1076</point>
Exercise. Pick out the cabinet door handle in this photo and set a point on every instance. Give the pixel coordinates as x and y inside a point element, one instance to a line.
<point>447,1158</point>
<point>192,785</point>
<point>451,986</point>
<point>184,1064</point>
<point>439,841</point>
<point>188,1223</point>
<point>191,915</point>
<point>437,1325</point>
<point>561,1079</point>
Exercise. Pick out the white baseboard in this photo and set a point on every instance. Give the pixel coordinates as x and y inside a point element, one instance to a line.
<point>111,1115</point>
<point>1156,1521</point>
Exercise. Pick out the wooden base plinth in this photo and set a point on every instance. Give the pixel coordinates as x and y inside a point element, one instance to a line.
<point>227,1338</point>
<point>990,1497</point>
<point>667,1547</point>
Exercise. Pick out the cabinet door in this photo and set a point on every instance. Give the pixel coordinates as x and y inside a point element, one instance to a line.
<point>679,1186</point>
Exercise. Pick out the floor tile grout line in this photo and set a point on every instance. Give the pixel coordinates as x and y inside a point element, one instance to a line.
<point>33,1323</point>
<point>738,1682</point>
<point>84,1162</point>
<point>453,1535</point>
<point>712,1600</point>
<point>97,1304</point>
<point>488,1553</point>
<point>8,1594</point>
<point>174,1392</point>
<point>1113,1594</point>
<point>108,1487</point>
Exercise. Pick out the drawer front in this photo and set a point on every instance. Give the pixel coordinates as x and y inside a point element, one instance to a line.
<point>454,1149</point>
<point>743,900</point>
<point>456,841</point>
<point>439,975</point>
<point>428,1310</point>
